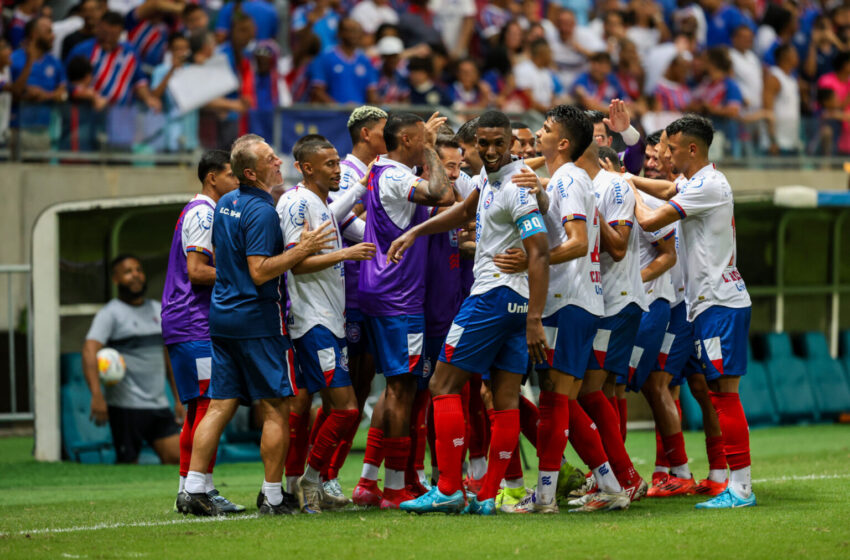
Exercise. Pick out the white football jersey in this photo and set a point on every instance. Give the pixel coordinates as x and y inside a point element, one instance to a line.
<point>578,281</point>
<point>677,273</point>
<point>661,287</point>
<point>500,205</point>
<point>708,233</point>
<point>317,298</point>
<point>621,282</point>
<point>196,234</point>
<point>349,193</point>
<point>466,184</point>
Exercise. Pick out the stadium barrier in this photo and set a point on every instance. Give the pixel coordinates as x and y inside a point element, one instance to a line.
<point>17,410</point>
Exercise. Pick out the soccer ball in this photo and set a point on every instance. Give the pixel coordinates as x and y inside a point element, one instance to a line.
<point>110,366</point>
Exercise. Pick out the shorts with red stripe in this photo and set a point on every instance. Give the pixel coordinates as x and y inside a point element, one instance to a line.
<point>723,339</point>
<point>489,331</point>
<point>251,369</point>
<point>677,346</point>
<point>396,342</point>
<point>569,334</point>
<point>612,346</point>
<point>192,365</point>
<point>322,360</point>
<point>648,343</point>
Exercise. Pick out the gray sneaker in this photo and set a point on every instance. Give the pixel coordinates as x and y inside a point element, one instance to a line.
<point>223,504</point>
<point>310,495</point>
<point>333,496</point>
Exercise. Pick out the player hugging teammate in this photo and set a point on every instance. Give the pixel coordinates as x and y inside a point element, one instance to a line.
<point>601,281</point>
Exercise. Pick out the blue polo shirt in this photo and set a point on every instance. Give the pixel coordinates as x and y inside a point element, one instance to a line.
<point>48,74</point>
<point>263,13</point>
<point>245,224</point>
<point>345,79</point>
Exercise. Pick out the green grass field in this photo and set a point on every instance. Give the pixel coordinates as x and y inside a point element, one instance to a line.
<point>67,510</point>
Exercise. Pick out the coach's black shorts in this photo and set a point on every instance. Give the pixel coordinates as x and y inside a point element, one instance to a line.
<point>131,427</point>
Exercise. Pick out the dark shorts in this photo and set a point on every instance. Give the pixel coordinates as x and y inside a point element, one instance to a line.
<point>252,369</point>
<point>612,346</point>
<point>356,333</point>
<point>132,427</point>
<point>322,360</point>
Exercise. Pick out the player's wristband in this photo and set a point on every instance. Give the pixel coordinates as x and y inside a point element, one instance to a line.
<point>630,136</point>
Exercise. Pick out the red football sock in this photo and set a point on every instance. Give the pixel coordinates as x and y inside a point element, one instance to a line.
<point>432,436</point>
<point>514,469</point>
<point>187,433</point>
<point>374,447</point>
<point>464,402</point>
<point>623,410</point>
<point>419,429</point>
<point>660,455</point>
<point>529,416</point>
<point>606,419</point>
<point>736,431</point>
<point>674,448</point>
<point>716,452</point>
<point>342,450</point>
<point>450,431</point>
<point>317,425</point>
<point>396,452</point>
<point>585,437</point>
<point>334,428</point>
<point>479,423</point>
<point>553,429</point>
<point>679,408</point>
<point>613,400</point>
<point>505,437</point>
<point>298,443</point>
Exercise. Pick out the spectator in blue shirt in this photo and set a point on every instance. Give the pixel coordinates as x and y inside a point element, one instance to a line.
<point>46,84</point>
<point>722,19</point>
<point>263,13</point>
<point>318,18</point>
<point>423,90</point>
<point>344,74</point>
<point>596,88</point>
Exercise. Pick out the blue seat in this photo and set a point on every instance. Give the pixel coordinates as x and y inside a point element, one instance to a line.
<point>844,353</point>
<point>829,384</point>
<point>756,396</point>
<point>83,441</point>
<point>789,380</point>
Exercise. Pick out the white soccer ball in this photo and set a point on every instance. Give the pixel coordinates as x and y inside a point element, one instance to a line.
<point>110,366</point>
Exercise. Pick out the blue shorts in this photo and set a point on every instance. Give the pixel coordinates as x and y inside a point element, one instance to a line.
<point>322,360</point>
<point>678,345</point>
<point>356,333</point>
<point>723,335</point>
<point>650,336</point>
<point>489,330</point>
<point>569,334</point>
<point>612,345</point>
<point>192,365</point>
<point>433,346</point>
<point>396,343</point>
<point>251,369</point>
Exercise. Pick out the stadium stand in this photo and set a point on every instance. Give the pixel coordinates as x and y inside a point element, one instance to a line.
<point>755,394</point>
<point>789,380</point>
<point>829,384</point>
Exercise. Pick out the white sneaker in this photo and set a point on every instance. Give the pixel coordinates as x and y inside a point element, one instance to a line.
<point>530,505</point>
<point>310,495</point>
<point>604,501</point>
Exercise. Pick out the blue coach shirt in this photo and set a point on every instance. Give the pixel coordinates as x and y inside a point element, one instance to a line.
<point>346,79</point>
<point>245,224</point>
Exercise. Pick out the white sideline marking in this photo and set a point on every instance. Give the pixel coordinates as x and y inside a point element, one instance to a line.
<point>192,520</point>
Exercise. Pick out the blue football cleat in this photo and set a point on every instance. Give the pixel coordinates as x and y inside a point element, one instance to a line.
<point>728,499</point>
<point>434,501</point>
<point>476,507</point>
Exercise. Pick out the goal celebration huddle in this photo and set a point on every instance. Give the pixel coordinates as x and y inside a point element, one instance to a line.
<point>457,264</point>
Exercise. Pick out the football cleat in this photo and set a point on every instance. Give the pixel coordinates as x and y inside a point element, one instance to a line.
<point>310,495</point>
<point>728,499</point>
<point>604,501</point>
<point>393,498</point>
<point>281,509</point>
<point>434,501</point>
<point>223,504</point>
<point>480,507</point>
<point>333,498</point>
<point>197,504</point>
<point>674,486</point>
<point>637,489</point>
<point>708,487</point>
<point>291,500</point>
<point>508,498</point>
<point>588,487</point>
<point>367,493</point>
<point>529,504</point>
<point>659,478</point>
<point>473,484</point>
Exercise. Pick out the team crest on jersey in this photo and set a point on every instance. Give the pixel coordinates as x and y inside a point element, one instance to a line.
<point>297,212</point>
<point>488,200</point>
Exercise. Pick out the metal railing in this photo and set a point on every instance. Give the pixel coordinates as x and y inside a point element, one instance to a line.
<point>14,415</point>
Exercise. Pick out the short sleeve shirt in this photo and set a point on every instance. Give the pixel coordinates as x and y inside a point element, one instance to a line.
<point>661,287</point>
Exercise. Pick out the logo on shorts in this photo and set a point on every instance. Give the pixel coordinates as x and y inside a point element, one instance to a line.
<point>426,368</point>
<point>517,307</point>
<point>352,332</point>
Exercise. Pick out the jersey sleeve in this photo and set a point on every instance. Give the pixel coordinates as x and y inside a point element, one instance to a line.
<point>523,210</point>
<point>619,204</point>
<point>693,198</point>
<point>353,228</point>
<point>197,230</point>
<point>292,217</point>
<point>262,229</point>
<point>398,184</point>
<point>664,233</point>
<point>570,205</point>
<point>102,326</point>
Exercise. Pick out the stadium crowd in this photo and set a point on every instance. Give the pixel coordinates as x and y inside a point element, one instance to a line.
<point>773,76</point>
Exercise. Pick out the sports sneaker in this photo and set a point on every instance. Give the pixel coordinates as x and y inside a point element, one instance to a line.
<point>310,495</point>
<point>637,489</point>
<point>728,499</point>
<point>604,501</point>
<point>281,509</point>
<point>481,507</point>
<point>508,498</point>
<point>708,487</point>
<point>333,496</point>
<point>416,489</point>
<point>674,486</point>
<point>529,504</point>
<point>570,479</point>
<point>659,478</point>
<point>473,484</point>
<point>434,501</point>
<point>224,505</point>
<point>587,487</point>
<point>393,498</point>
<point>367,493</point>
<point>291,500</point>
<point>196,504</point>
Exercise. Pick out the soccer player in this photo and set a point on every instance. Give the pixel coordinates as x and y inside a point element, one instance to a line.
<point>498,326</point>
<point>524,142</point>
<point>316,319</point>
<point>392,295</point>
<point>618,121</point>
<point>624,303</point>
<point>186,307</point>
<point>251,355</point>
<point>717,299</point>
